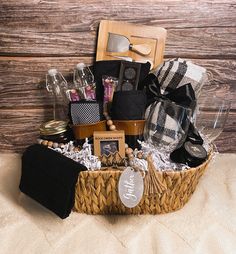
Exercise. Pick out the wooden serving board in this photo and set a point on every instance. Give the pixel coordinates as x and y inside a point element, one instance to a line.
<point>137,34</point>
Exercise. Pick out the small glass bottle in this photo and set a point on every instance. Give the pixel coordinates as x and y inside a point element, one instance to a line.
<point>57,85</point>
<point>84,82</point>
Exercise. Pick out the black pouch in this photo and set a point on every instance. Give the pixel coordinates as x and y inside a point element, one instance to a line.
<point>50,178</point>
<point>85,112</point>
<point>128,105</point>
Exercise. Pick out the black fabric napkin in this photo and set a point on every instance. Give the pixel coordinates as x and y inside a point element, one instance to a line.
<point>128,105</point>
<point>50,178</point>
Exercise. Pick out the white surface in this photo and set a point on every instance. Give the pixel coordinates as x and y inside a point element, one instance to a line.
<point>206,224</point>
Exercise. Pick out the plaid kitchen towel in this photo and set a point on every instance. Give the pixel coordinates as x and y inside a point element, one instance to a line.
<point>178,72</point>
<point>166,123</point>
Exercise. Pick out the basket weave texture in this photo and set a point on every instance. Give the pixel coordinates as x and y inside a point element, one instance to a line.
<point>97,192</point>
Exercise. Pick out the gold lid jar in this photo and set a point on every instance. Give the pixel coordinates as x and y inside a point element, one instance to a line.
<point>56,131</point>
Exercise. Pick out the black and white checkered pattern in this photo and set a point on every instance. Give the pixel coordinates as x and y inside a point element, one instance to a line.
<point>163,125</point>
<point>86,112</point>
<point>178,72</point>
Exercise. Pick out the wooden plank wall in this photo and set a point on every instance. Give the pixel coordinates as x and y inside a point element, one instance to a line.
<point>36,35</point>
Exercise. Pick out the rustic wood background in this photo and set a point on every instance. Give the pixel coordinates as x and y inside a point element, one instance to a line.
<point>36,35</point>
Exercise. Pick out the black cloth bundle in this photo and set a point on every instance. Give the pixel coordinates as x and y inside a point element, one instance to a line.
<point>50,178</point>
<point>128,105</point>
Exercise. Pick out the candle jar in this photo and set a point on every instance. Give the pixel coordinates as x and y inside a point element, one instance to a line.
<point>56,131</point>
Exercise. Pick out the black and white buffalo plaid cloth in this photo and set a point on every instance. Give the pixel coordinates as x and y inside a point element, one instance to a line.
<point>165,124</point>
<point>178,72</point>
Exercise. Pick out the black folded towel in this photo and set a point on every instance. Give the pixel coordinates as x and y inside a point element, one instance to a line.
<point>128,105</point>
<point>50,178</point>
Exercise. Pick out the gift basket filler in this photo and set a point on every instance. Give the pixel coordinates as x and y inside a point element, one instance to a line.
<point>124,137</point>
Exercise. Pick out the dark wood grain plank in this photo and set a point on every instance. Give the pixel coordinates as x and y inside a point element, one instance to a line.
<point>187,43</point>
<point>20,128</point>
<point>219,71</point>
<point>211,117</point>
<point>69,28</point>
<point>48,44</point>
<point>72,16</point>
<point>226,142</point>
<point>22,78</point>
<point>201,43</point>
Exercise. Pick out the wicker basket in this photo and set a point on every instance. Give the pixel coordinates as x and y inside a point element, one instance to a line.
<point>97,192</point>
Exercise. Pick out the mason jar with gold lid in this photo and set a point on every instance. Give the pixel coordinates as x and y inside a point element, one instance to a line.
<point>56,131</point>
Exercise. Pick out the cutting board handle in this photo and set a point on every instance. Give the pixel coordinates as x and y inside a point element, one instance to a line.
<point>142,49</point>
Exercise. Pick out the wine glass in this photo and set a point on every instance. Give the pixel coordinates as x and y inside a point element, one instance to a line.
<point>165,129</point>
<point>166,125</point>
<point>212,112</point>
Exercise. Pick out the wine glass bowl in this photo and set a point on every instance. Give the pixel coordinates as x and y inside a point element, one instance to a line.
<point>166,125</point>
<point>212,112</point>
